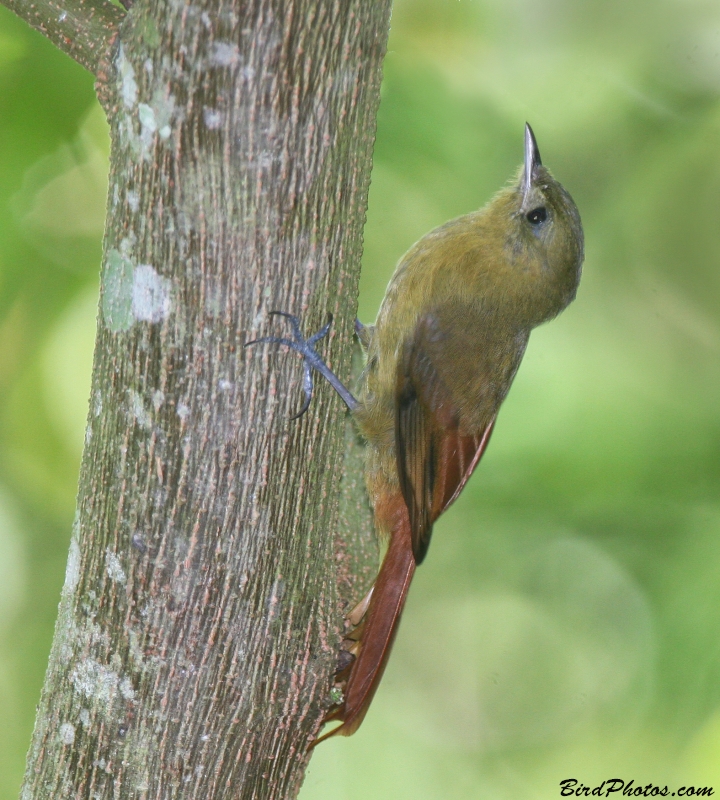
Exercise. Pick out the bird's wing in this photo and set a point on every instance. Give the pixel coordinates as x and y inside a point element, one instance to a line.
<point>434,459</point>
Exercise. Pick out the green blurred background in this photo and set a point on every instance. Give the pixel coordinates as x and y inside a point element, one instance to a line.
<point>566,623</point>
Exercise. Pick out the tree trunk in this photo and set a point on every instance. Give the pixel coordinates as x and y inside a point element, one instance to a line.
<point>199,620</point>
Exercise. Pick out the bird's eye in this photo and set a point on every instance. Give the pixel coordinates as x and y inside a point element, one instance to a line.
<point>537,215</point>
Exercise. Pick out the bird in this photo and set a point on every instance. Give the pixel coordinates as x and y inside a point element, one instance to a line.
<point>451,332</point>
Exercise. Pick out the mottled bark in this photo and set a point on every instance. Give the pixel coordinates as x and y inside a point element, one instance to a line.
<point>200,616</point>
<point>84,29</point>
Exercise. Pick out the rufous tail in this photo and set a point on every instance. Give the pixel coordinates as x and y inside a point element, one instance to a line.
<point>378,631</point>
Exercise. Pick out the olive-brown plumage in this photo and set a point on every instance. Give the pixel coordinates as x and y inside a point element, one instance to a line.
<point>448,340</point>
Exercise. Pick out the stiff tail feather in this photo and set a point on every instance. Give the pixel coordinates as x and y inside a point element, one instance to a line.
<point>378,632</point>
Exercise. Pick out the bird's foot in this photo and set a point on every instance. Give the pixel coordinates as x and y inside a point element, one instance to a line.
<point>352,641</point>
<point>312,360</point>
<point>364,333</point>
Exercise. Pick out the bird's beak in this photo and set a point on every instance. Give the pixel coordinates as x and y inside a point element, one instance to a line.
<point>532,160</point>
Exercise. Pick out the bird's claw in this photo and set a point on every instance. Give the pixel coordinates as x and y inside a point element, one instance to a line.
<point>306,348</point>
